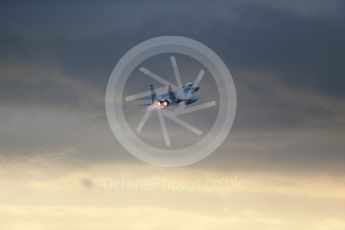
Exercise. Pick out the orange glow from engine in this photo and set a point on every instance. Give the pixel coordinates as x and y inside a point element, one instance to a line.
<point>159,105</point>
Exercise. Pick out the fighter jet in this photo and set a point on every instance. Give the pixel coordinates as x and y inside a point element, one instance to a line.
<point>173,98</point>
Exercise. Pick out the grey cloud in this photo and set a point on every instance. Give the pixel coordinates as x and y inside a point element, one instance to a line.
<point>33,83</point>
<point>265,104</point>
<point>301,8</point>
<point>286,59</point>
<point>305,52</point>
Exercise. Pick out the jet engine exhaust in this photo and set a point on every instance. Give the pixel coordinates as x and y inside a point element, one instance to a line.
<point>158,105</point>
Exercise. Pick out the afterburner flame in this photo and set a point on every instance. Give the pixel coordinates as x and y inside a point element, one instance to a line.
<point>156,105</point>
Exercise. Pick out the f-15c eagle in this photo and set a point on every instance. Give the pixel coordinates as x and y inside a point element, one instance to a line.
<point>173,98</point>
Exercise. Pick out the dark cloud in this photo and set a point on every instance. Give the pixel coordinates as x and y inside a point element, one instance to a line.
<point>286,59</point>
<point>85,40</point>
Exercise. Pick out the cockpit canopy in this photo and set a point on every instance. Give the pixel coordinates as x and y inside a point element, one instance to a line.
<point>189,84</point>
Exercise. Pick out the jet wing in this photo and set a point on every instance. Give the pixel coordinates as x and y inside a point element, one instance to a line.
<point>183,96</point>
<point>144,98</point>
<point>163,96</point>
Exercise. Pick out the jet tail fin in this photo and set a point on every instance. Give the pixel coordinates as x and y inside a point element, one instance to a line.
<point>171,94</point>
<point>153,93</point>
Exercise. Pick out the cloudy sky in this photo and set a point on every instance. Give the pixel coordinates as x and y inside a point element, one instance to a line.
<point>281,167</point>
